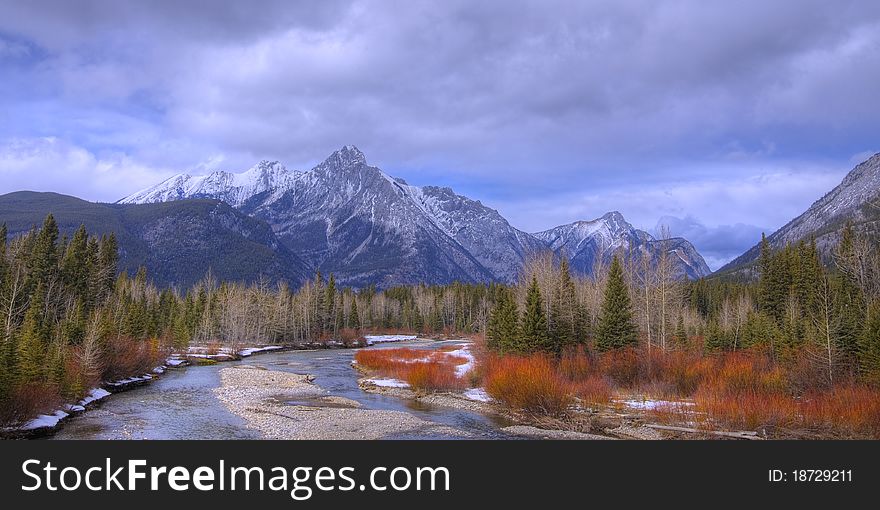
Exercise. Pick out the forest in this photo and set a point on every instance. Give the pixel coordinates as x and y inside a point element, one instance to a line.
<point>795,347</point>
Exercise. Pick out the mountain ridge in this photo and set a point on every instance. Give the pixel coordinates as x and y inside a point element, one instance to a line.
<point>350,218</point>
<point>177,241</point>
<point>849,202</point>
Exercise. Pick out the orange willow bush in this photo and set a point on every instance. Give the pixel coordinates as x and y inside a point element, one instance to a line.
<point>530,383</point>
<point>421,369</point>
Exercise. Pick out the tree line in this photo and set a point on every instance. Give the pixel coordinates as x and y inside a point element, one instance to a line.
<point>821,317</point>
<point>68,321</point>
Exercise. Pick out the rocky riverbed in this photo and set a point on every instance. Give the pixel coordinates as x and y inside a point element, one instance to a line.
<point>283,405</point>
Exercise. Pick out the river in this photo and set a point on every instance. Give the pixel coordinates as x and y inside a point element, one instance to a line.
<point>182,405</point>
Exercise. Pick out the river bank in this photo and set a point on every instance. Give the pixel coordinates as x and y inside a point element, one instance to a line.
<point>281,405</point>
<point>45,425</point>
<point>198,357</point>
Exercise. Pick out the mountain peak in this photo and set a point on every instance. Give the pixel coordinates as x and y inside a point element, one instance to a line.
<point>616,221</point>
<point>346,157</point>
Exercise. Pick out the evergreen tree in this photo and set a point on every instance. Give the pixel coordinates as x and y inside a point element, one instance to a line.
<point>680,336</point>
<point>533,331</point>
<point>354,319</point>
<point>108,255</point>
<point>3,263</point>
<point>75,265</point>
<point>616,327</point>
<point>330,300</point>
<point>502,329</point>
<point>869,346</point>
<point>563,310</point>
<point>716,339</point>
<point>850,303</point>
<point>31,343</point>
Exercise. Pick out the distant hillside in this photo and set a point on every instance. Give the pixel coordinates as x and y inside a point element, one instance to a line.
<point>855,200</point>
<point>177,241</point>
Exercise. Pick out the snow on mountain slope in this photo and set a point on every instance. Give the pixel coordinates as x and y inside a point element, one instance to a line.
<point>854,200</point>
<point>588,243</point>
<point>347,217</point>
<point>234,189</point>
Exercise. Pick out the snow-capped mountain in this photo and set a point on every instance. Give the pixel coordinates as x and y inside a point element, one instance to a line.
<point>234,189</point>
<point>588,243</point>
<point>349,218</point>
<point>855,200</point>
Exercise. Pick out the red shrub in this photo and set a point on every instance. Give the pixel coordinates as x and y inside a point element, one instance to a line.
<point>388,359</point>
<point>25,402</point>
<point>621,365</point>
<point>744,372</point>
<point>422,369</point>
<point>128,357</point>
<point>430,376</point>
<point>593,390</point>
<point>679,373</point>
<point>529,383</point>
<point>575,364</point>
<point>847,409</point>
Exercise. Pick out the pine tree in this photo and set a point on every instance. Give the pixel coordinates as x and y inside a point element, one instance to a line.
<point>354,319</point>
<point>56,372</point>
<point>849,302</point>
<point>43,261</point>
<point>32,342</point>
<point>3,263</point>
<point>74,265</point>
<point>339,320</point>
<point>502,329</point>
<point>330,303</point>
<point>533,331</point>
<point>680,335</point>
<point>869,346</point>
<point>108,261</point>
<point>563,315</point>
<point>616,327</point>
<point>716,339</point>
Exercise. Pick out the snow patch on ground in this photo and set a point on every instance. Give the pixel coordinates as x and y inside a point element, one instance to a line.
<point>651,404</point>
<point>45,421</point>
<point>95,395</point>
<point>244,353</point>
<point>131,380</point>
<point>379,339</point>
<point>477,394</point>
<point>464,368</point>
<point>174,362</point>
<point>388,383</point>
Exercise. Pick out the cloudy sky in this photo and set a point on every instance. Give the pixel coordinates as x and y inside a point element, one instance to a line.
<point>719,119</point>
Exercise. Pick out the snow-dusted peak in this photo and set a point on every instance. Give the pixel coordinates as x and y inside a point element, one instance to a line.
<point>608,229</point>
<point>346,157</point>
<point>233,188</point>
<point>615,221</point>
<point>263,176</point>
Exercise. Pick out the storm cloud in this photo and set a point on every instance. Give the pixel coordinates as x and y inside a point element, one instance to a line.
<point>732,116</point>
